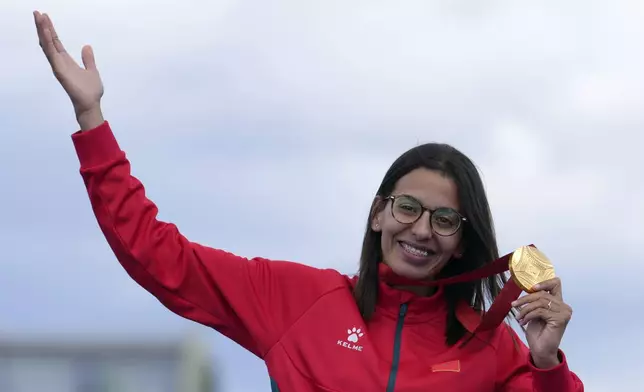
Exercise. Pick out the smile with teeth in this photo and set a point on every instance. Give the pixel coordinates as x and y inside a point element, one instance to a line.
<point>419,252</point>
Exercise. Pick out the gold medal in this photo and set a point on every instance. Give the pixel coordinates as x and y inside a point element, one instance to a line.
<point>529,267</point>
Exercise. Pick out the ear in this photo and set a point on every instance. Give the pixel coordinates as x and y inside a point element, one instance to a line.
<point>376,214</point>
<point>375,223</point>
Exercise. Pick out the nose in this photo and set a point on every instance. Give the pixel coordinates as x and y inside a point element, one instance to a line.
<point>422,228</point>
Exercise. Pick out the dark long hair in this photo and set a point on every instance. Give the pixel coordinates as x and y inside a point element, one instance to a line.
<point>478,237</point>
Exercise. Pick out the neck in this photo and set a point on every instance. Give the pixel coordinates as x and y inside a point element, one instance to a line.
<point>423,291</point>
<point>405,284</point>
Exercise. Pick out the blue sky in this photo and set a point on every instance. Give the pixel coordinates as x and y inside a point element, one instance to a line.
<point>251,123</point>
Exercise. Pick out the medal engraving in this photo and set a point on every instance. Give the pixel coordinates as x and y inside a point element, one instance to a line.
<point>529,267</point>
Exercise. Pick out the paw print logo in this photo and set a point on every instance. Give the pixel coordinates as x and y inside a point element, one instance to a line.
<point>354,334</point>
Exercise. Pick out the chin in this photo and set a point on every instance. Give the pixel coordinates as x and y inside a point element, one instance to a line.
<point>409,271</point>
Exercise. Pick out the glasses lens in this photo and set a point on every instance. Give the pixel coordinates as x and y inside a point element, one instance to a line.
<point>445,221</point>
<point>406,209</point>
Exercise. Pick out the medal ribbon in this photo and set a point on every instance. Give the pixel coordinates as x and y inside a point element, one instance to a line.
<point>502,303</point>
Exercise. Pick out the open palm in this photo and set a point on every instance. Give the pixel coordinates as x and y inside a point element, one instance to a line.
<point>83,85</point>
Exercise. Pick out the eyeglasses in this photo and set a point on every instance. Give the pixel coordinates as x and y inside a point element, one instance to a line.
<point>444,221</point>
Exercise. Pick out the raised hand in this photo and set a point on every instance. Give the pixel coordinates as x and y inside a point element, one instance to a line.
<point>83,85</point>
<point>547,316</point>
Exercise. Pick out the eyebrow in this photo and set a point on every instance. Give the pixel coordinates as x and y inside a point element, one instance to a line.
<point>423,204</point>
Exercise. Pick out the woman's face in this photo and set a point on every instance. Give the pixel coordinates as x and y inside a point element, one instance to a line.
<point>414,250</point>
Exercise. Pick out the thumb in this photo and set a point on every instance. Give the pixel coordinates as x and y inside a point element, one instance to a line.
<point>87,55</point>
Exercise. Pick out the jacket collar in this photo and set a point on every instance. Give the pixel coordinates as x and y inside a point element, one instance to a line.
<point>419,308</point>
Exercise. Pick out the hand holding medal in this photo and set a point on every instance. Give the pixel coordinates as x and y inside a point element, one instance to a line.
<point>543,310</point>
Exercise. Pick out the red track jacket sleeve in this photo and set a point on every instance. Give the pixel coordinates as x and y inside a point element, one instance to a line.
<point>250,301</point>
<point>516,373</point>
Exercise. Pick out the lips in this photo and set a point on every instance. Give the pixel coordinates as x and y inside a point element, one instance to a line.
<point>416,250</point>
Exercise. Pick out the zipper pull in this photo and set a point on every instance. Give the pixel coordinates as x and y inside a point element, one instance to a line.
<point>403,310</point>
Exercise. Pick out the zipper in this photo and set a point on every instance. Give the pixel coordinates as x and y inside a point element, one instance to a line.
<point>274,387</point>
<point>396,358</point>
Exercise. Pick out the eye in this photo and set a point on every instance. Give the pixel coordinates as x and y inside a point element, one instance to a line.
<point>446,217</point>
<point>407,205</point>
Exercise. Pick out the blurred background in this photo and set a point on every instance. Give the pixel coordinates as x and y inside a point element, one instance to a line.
<point>264,128</point>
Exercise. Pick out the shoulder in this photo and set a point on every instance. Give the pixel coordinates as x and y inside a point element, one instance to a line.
<point>300,274</point>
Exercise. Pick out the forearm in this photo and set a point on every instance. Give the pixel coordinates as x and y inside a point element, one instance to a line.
<point>90,119</point>
<point>545,362</point>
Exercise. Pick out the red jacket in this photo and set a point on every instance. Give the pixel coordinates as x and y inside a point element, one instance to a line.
<point>302,321</point>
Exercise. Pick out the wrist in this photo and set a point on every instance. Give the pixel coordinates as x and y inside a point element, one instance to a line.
<point>545,361</point>
<point>90,118</point>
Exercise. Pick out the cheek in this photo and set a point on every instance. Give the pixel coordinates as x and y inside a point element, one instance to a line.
<point>391,228</point>
<point>450,244</point>
<point>389,232</point>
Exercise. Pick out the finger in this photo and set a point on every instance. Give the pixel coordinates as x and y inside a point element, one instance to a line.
<point>543,303</point>
<point>38,20</point>
<point>537,314</point>
<point>36,15</point>
<point>57,43</point>
<point>531,298</point>
<point>48,45</point>
<point>44,35</point>
<point>87,55</point>
<point>552,285</point>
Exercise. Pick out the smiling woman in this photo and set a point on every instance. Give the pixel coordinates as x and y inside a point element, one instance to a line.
<point>319,330</point>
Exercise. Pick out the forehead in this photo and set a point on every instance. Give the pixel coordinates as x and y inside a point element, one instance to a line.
<point>430,187</point>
